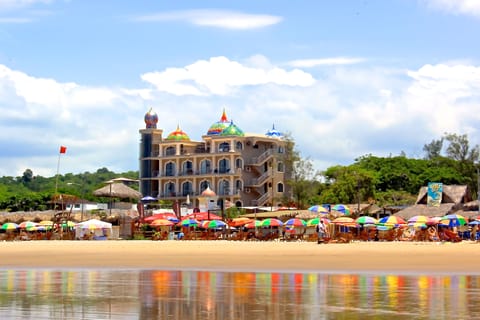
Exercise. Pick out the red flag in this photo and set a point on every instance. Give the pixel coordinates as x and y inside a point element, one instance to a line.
<point>63,149</point>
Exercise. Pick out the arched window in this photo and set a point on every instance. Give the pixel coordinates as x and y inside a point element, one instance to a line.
<point>280,187</point>
<point>224,166</point>
<point>187,167</point>
<point>204,185</point>
<point>170,151</point>
<point>239,145</point>
<point>238,163</point>
<point>280,167</point>
<point>223,187</point>
<point>205,167</point>
<point>187,188</point>
<point>238,186</point>
<point>224,147</point>
<point>170,189</point>
<point>170,169</point>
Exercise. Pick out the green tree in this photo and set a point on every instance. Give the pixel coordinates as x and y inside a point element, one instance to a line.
<point>433,149</point>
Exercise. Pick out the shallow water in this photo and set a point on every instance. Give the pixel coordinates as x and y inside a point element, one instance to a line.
<point>157,294</point>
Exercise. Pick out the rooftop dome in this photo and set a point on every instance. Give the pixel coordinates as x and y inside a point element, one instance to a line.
<point>232,130</point>
<point>274,133</point>
<point>151,119</point>
<point>219,126</point>
<point>178,135</point>
<point>208,192</point>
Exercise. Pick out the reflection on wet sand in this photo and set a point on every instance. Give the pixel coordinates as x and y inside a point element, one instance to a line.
<point>134,294</point>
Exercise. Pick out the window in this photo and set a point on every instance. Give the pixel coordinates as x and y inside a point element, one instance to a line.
<point>224,166</point>
<point>205,167</point>
<point>281,149</point>
<point>170,151</point>
<point>238,185</point>
<point>170,189</point>
<point>280,167</point>
<point>223,187</point>
<point>238,163</point>
<point>224,147</point>
<point>187,188</point>
<point>280,187</point>
<point>239,145</point>
<point>204,185</point>
<point>170,169</point>
<point>187,167</point>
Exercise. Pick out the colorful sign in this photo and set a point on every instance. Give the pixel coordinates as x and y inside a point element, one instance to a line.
<point>434,194</point>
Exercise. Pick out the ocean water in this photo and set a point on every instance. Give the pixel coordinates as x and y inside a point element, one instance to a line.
<point>166,294</point>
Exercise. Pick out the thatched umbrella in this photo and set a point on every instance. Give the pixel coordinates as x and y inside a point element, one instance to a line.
<point>117,190</point>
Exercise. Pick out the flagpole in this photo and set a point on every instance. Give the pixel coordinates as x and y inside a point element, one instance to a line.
<point>62,150</point>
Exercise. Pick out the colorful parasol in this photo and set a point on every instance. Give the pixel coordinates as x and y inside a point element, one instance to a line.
<point>213,224</point>
<point>345,221</point>
<point>453,220</point>
<point>315,221</point>
<point>345,210</point>
<point>366,220</point>
<point>253,224</point>
<point>27,225</point>
<point>161,223</point>
<point>391,221</point>
<point>295,222</point>
<point>237,222</point>
<point>272,222</point>
<point>9,226</point>
<point>318,209</point>
<point>188,223</point>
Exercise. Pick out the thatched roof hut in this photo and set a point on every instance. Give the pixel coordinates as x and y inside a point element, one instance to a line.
<point>454,198</point>
<point>117,190</point>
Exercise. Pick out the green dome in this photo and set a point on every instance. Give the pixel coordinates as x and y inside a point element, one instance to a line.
<point>232,130</point>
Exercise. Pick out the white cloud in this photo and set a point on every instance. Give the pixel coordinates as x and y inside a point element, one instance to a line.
<point>216,18</point>
<point>309,63</point>
<point>466,7</point>
<point>219,76</point>
<point>14,20</point>
<point>14,4</point>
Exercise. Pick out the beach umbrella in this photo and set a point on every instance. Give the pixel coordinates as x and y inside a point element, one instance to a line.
<point>93,224</point>
<point>188,223</point>
<point>166,216</point>
<point>27,224</point>
<point>474,222</point>
<point>9,226</point>
<point>419,219</point>
<point>315,221</point>
<point>366,220</point>
<point>345,221</point>
<point>161,222</point>
<point>345,210</point>
<point>318,209</point>
<point>213,224</point>
<point>253,224</point>
<point>453,220</point>
<point>295,222</point>
<point>68,224</point>
<point>391,221</point>
<point>203,216</point>
<point>272,222</point>
<point>236,222</point>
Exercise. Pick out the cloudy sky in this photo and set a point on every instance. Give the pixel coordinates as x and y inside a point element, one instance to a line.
<point>345,78</point>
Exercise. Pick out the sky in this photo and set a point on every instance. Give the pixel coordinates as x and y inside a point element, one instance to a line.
<point>344,78</point>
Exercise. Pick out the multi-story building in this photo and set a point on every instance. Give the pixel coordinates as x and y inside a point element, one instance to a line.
<point>245,169</point>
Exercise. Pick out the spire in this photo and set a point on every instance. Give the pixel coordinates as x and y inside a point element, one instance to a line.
<point>224,116</point>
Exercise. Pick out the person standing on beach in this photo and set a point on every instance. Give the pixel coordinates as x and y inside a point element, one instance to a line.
<point>321,231</point>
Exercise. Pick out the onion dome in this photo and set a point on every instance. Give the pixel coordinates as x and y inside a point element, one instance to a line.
<point>178,135</point>
<point>232,130</point>
<point>218,126</point>
<point>208,192</point>
<point>151,119</point>
<point>274,133</point>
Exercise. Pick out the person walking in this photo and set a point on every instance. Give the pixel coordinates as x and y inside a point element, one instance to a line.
<point>321,231</point>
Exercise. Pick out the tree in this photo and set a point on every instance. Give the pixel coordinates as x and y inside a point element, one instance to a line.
<point>301,174</point>
<point>27,176</point>
<point>459,149</point>
<point>433,149</point>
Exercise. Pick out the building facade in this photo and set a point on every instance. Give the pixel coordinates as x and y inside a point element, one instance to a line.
<point>242,169</point>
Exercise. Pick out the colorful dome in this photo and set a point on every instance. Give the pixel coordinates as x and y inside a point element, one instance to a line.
<point>274,133</point>
<point>219,126</point>
<point>151,119</point>
<point>232,130</point>
<point>178,135</point>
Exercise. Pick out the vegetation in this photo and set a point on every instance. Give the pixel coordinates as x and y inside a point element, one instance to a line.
<point>393,180</point>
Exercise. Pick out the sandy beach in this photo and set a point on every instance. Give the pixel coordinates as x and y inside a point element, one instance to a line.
<point>395,257</point>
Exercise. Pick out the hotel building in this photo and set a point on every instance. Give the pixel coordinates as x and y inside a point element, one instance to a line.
<point>242,169</point>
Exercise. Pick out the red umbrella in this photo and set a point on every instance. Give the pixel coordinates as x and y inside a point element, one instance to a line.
<point>203,216</point>
<point>161,222</point>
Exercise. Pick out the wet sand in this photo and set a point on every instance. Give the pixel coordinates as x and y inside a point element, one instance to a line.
<point>408,257</point>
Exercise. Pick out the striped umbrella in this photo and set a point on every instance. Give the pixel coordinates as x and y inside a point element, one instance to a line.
<point>315,221</point>
<point>272,222</point>
<point>9,226</point>
<point>318,209</point>
<point>27,225</point>
<point>295,222</point>
<point>453,220</point>
<point>345,210</point>
<point>253,224</point>
<point>213,224</point>
<point>366,220</point>
<point>345,221</point>
<point>161,222</point>
<point>188,223</point>
<point>391,221</point>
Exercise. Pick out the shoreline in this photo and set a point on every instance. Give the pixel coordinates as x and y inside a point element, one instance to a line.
<point>222,255</point>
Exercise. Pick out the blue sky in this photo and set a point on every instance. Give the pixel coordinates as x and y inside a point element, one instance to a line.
<point>345,78</point>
